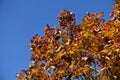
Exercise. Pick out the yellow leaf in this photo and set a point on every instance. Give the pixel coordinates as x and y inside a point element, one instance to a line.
<point>86,34</point>
<point>86,70</point>
<point>59,54</point>
<point>33,71</point>
<point>109,53</point>
<point>100,14</point>
<point>104,68</point>
<point>61,71</point>
<point>35,54</point>
<point>20,77</point>
<point>104,51</point>
<point>85,58</point>
<point>72,63</point>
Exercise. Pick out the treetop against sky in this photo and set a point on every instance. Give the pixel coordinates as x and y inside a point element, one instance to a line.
<point>90,50</point>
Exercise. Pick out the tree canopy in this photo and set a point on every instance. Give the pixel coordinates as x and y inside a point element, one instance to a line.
<point>88,51</point>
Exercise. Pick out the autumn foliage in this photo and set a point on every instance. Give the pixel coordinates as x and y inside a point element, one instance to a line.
<point>88,51</point>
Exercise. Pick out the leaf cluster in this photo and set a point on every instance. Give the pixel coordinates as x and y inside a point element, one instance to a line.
<point>90,50</point>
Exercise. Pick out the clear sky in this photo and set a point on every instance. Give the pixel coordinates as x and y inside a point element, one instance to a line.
<point>21,19</point>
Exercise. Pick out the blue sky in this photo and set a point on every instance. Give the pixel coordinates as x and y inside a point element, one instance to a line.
<point>21,19</point>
